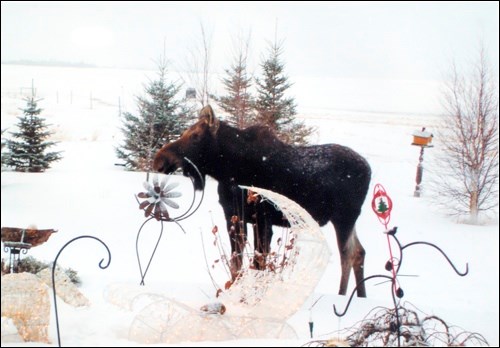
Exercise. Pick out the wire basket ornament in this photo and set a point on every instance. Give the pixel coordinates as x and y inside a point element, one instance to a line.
<point>257,305</point>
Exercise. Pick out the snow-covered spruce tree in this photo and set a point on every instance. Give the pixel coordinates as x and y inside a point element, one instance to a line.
<point>161,119</point>
<point>4,154</point>
<point>27,151</point>
<point>238,101</point>
<point>273,107</point>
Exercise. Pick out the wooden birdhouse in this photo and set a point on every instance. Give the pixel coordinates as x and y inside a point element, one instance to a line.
<point>422,138</point>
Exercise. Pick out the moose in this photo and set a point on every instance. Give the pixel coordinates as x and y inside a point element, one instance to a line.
<point>329,181</point>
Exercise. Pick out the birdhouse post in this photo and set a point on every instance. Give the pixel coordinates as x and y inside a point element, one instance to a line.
<point>423,139</point>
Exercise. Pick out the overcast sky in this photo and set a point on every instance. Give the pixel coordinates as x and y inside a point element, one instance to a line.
<point>366,40</point>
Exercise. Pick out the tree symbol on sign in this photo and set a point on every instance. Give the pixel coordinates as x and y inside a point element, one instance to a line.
<point>382,206</point>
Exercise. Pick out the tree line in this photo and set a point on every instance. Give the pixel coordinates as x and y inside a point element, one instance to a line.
<point>467,185</point>
<point>163,115</point>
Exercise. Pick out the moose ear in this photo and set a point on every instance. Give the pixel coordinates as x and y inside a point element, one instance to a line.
<point>207,113</point>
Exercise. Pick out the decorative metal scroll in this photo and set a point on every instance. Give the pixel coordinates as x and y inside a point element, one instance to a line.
<point>157,198</point>
<point>101,265</point>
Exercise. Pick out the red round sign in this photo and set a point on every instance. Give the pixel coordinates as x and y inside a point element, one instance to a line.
<point>382,204</point>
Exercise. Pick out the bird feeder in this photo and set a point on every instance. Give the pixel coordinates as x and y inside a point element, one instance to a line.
<point>422,138</point>
<point>20,240</point>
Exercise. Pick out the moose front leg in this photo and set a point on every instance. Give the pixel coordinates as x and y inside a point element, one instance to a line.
<point>228,199</point>
<point>238,239</point>
<point>263,233</point>
<point>262,229</point>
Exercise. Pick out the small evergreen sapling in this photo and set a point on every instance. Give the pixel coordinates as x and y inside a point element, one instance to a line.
<point>28,152</point>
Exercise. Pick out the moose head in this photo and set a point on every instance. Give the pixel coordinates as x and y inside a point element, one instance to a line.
<point>195,144</point>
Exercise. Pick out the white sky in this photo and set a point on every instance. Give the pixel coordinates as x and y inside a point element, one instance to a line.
<point>365,40</point>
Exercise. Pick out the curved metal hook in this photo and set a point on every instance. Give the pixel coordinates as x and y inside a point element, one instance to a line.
<point>393,280</point>
<point>53,277</point>
<point>188,213</point>
<point>462,274</point>
<point>355,289</point>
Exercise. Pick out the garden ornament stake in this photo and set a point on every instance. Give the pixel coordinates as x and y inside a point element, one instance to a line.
<point>159,195</point>
<point>382,206</point>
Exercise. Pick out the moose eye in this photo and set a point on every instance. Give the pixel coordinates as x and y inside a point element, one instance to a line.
<point>194,136</point>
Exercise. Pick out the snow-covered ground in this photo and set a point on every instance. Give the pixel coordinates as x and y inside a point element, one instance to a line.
<point>86,194</point>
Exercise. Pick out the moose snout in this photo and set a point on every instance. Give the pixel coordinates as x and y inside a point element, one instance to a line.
<point>159,163</point>
<point>164,164</point>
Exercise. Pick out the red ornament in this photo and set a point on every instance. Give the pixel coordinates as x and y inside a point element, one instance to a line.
<point>382,204</point>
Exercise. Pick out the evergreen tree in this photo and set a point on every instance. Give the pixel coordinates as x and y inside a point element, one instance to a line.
<point>238,102</point>
<point>161,119</point>
<point>28,153</point>
<point>4,154</point>
<point>273,107</point>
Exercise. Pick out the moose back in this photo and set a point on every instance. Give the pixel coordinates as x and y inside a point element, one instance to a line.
<point>329,181</point>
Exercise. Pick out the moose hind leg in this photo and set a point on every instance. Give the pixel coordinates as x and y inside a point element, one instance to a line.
<point>358,264</point>
<point>352,256</point>
<point>346,266</point>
